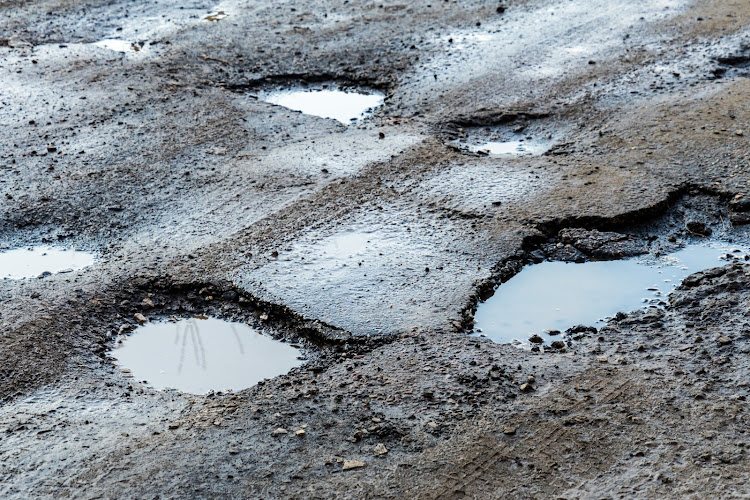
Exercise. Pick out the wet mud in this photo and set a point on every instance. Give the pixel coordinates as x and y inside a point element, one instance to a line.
<point>138,133</point>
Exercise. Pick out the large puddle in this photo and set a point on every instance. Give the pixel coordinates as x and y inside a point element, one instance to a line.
<point>202,355</point>
<point>346,106</point>
<point>554,296</point>
<point>22,263</point>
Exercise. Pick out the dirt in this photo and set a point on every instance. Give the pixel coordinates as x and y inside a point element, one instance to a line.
<point>201,198</point>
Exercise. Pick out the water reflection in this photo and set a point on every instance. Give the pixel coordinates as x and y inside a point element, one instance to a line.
<point>199,355</point>
<point>343,105</point>
<point>20,263</point>
<point>559,295</point>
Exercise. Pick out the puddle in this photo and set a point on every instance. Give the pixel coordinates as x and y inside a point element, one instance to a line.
<point>511,148</point>
<point>559,295</point>
<point>346,106</point>
<point>521,138</point>
<point>118,45</point>
<point>201,355</point>
<point>22,263</point>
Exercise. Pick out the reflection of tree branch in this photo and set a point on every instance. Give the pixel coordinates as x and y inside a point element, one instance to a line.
<point>239,342</point>
<point>199,346</point>
<point>182,351</point>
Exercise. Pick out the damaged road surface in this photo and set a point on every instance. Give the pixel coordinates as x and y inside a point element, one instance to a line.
<point>484,139</point>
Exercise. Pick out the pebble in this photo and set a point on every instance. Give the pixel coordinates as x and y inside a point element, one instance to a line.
<point>279,431</point>
<point>724,340</point>
<point>508,430</point>
<point>380,450</point>
<point>527,387</point>
<point>300,433</point>
<point>353,464</point>
<point>536,339</point>
<point>601,359</point>
<point>140,318</point>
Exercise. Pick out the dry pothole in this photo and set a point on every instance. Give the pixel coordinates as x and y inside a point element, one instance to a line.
<point>548,298</point>
<point>201,354</point>
<point>20,263</point>
<point>344,104</point>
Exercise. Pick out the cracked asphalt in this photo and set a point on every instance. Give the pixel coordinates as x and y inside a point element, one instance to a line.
<point>371,244</point>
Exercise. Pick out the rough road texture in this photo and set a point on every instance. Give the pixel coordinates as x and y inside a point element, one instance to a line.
<point>203,199</point>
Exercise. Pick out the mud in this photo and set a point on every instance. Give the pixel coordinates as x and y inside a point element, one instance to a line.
<point>371,245</point>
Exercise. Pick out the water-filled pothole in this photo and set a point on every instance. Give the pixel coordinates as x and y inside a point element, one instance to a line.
<point>200,355</point>
<point>22,263</point>
<point>522,137</point>
<point>555,296</point>
<point>346,106</point>
<point>510,148</point>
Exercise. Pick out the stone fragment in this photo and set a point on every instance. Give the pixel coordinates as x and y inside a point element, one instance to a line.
<point>352,464</point>
<point>140,318</point>
<point>380,450</point>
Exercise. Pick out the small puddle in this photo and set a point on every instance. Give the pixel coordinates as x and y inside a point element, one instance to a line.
<point>202,355</point>
<point>346,106</point>
<point>21,263</point>
<point>554,296</point>
<point>118,45</point>
<point>511,148</point>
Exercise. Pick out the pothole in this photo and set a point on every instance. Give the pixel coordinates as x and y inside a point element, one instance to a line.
<point>20,263</point>
<point>202,354</point>
<point>344,105</point>
<point>545,299</point>
<point>510,148</point>
<point>513,136</point>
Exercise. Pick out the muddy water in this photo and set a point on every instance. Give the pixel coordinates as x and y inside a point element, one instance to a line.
<point>201,355</point>
<point>22,263</point>
<point>558,295</point>
<point>342,105</point>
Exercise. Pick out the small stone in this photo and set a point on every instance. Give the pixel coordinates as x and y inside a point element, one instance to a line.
<point>380,450</point>
<point>558,344</point>
<point>140,318</point>
<point>279,432</point>
<point>300,433</point>
<point>148,302</point>
<point>508,430</point>
<point>531,379</point>
<point>601,359</point>
<point>724,341</point>
<point>432,425</point>
<point>536,339</point>
<point>352,464</point>
<point>740,133</point>
<point>376,420</point>
<point>526,387</point>
<point>174,426</point>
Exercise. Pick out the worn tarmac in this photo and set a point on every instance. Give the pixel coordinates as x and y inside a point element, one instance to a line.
<point>203,199</point>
